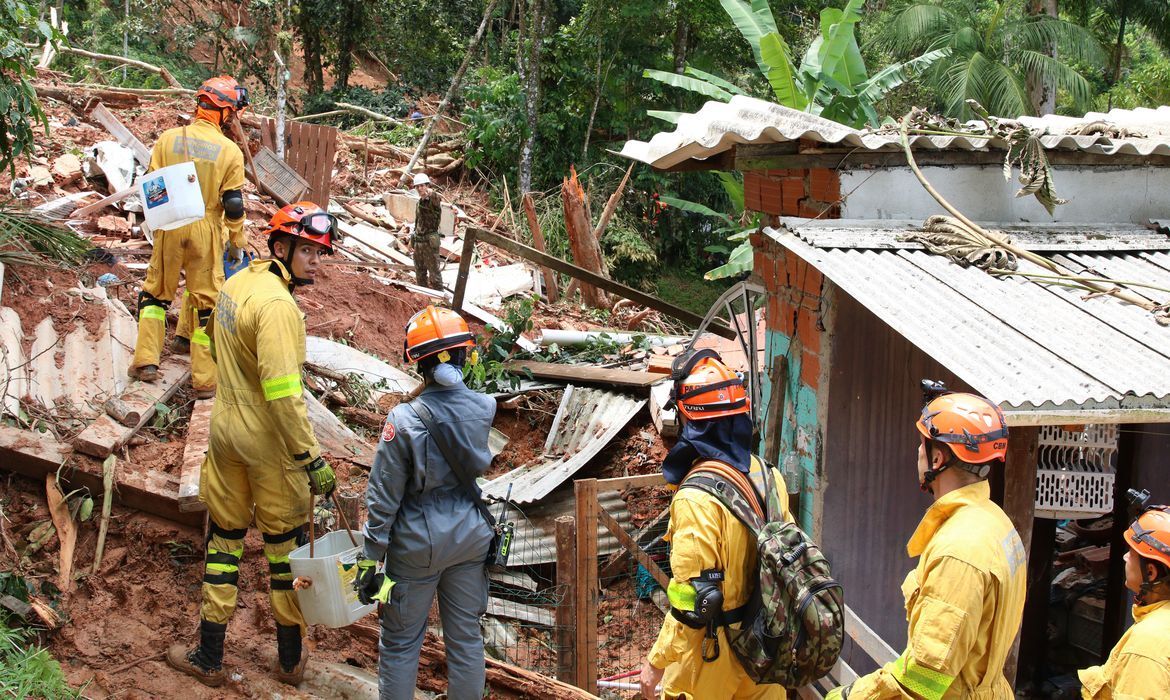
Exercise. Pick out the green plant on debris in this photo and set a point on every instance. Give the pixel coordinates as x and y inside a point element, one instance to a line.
<point>27,670</point>
<point>28,240</point>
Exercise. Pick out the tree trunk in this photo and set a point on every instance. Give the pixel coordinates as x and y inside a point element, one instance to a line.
<point>681,31</point>
<point>1119,47</point>
<point>1042,94</point>
<point>530,76</point>
<point>455,82</point>
<point>281,81</point>
<point>585,247</point>
<point>311,45</point>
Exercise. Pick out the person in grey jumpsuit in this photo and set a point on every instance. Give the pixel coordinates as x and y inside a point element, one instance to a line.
<point>425,526</point>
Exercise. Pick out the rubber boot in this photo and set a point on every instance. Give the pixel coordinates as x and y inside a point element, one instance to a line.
<point>204,662</point>
<point>146,373</point>
<point>181,345</point>
<point>290,657</point>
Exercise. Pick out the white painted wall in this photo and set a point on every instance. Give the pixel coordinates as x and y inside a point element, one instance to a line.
<point>1099,194</point>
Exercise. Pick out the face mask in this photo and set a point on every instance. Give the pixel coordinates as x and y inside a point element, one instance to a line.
<point>724,439</point>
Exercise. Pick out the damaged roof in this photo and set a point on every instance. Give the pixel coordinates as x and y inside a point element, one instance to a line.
<point>720,126</point>
<point>1031,347</point>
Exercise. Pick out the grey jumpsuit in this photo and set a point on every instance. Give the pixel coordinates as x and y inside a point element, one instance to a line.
<point>432,537</point>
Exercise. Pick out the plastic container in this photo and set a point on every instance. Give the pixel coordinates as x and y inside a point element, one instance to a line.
<point>171,197</point>
<point>331,600</point>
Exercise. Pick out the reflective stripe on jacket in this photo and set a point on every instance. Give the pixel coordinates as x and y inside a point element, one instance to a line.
<point>964,603</point>
<point>1139,666</point>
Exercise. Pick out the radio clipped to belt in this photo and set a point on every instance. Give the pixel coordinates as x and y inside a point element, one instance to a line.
<point>706,610</point>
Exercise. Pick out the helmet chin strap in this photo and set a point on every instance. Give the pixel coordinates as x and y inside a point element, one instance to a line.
<point>288,258</point>
<point>931,473</point>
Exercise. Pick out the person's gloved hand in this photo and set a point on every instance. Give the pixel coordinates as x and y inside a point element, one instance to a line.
<point>372,585</point>
<point>235,254</point>
<point>841,692</point>
<point>321,478</point>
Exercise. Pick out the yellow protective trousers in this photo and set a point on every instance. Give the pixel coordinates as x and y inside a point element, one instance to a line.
<point>197,250</point>
<point>270,493</point>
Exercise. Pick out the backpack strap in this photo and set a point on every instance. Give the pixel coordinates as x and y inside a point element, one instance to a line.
<point>732,488</point>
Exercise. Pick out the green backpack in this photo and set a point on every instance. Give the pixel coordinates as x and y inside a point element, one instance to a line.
<point>793,625</point>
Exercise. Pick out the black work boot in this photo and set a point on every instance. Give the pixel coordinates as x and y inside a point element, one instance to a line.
<point>181,345</point>
<point>204,662</point>
<point>290,657</point>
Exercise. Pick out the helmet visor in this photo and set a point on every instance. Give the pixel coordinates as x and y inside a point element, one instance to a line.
<point>319,224</point>
<point>242,97</point>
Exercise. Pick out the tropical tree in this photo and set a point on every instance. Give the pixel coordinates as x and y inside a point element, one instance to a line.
<point>831,80</point>
<point>20,111</point>
<point>1111,19</point>
<point>993,49</point>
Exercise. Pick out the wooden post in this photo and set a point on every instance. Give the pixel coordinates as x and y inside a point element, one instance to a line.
<point>778,378</point>
<point>587,592</point>
<point>1116,594</point>
<point>348,502</point>
<point>465,257</point>
<point>586,249</point>
<point>550,277</point>
<point>566,612</point>
<point>1019,502</point>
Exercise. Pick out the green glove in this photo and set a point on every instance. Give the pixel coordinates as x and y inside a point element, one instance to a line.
<point>841,692</point>
<point>372,585</point>
<point>321,478</point>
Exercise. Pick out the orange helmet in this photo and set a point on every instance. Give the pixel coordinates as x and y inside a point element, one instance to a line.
<point>433,330</point>
<point>972,426</point>
<point>305,220</point>
<point>705,388</point>
<point>1149,535</point>
<point>223,92</point>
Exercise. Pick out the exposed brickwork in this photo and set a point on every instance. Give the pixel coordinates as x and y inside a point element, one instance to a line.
<point>793,302</point>
<point>814,192</point>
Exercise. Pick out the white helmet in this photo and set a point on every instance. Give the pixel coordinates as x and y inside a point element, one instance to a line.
<point>420,179</point>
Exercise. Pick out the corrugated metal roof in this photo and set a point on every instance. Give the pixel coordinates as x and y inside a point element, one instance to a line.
<point>586,421</point>
<point>534,541</point>
<point>719,126</point>
<point>1027,346</point>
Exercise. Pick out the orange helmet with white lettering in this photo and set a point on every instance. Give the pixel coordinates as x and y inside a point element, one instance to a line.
<point>433,330</point>
<point>705,388</point>
<point>304,220</point>
<point>224,92</point>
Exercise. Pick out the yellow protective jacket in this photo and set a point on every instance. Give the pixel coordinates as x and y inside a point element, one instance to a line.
<point>1139,666</point>
<point>704,534</point>
<point>258,337</point>
<point>219,163</point>
<point>964,602</point>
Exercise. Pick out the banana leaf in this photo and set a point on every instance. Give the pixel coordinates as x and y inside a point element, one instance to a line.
<point>739,262</point>
<point>686,82</point>
<point>694,208</point>
<point>780,73</point>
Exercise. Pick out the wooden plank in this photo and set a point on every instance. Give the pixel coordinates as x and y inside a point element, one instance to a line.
<point>584,275</point>
<point>120,133</point>
<point>198,433</point>
<point>614,378</point>
<point>1019,502</point>
<point>36,455</point>
<point>622,483</point>
<point>566,613</point>
<point>469,237</point>
<point>869,641</point>
<point>550,278</point>
<point>587,592</point>
<point>643,537</point>
<point>278,178</point>
<point>632,547</point>
<point>665,420</point>
<point>90,209</point>
<point>105,434</point>
<point>519,611</point>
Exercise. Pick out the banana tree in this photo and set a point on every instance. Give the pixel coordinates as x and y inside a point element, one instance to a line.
<point>831,81</point>
<point>738,228</point>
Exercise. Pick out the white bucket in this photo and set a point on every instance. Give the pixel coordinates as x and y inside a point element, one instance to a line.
<point>171,197</point>
<point>331,600</point>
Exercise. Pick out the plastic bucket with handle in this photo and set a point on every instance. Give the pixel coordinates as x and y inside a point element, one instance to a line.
<point>171,197</point>
<point>330,599</point>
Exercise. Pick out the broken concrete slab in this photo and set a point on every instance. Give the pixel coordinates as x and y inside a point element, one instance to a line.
<point>335,438</point>
<point>105,434</point>
<point>490,286</point>
<point>198,434</point>
<point>346,359</point>
<point>404,207</point>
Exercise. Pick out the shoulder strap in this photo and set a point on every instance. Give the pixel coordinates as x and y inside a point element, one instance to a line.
<point>733,489</point>
<point>424,414</point>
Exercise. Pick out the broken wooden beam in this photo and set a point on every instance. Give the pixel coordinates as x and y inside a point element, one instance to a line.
<point>632,547</point>
<point>520,611</point>
<point>66,532</point>
<point>198,434</point>
<point>91,209</point>
<point>118,410</point>
<point>585,247</point>
<point>550,278</point>
<point>614,378</point>
<point>105,435</point>
<point>531,254</point>
<point>644,537</point>
<point>119,131</point>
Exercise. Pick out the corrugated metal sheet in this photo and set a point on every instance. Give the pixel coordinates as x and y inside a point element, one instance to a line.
<point>535,539</point>
<point>889,234</point>
<point>1025,345</point>
<point>587,420</point>
<point>719,126</point>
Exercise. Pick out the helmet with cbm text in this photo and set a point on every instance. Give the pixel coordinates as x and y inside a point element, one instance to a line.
<point>706,388</point>
<point>971,426</point>
<point>433,330</point>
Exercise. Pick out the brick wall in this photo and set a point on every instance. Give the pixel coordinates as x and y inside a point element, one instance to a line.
<point>806,192</point>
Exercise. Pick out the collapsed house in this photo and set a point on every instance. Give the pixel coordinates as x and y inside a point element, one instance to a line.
<point>857,312</point>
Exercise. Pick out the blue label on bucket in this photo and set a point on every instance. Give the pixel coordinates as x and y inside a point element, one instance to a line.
<point>156,192</point>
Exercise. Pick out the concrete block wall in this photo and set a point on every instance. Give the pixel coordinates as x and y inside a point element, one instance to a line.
<point>805,192</point>
<point>795,298</point>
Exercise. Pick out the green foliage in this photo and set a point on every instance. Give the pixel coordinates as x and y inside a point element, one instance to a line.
<point>494,114</point>
<point>36,240</point>
<point>993,47</point>
<point>391,101</point>
<point>20,111</point>
<point>488,375</point>
<point>26,669</point>
<point>630,257</point>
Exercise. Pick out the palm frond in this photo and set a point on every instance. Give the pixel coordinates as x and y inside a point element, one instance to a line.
<point>1055,72</point>
<point>1154,16</point>
<point>1003,91</point>
<point>918,27</point>
<point>1070,40</point>
<point>895,75</point>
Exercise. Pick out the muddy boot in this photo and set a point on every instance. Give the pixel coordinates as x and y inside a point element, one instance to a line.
<point>290,658</point>
<point>205,393</point>
<point>181,345</point>
<point>146,373</point>
<point>204,662</point>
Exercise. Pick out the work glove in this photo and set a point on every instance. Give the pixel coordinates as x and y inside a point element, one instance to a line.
<point>321,478</point>
<point>841,692</point>
<point>235,254</point>
<point>372,585</point>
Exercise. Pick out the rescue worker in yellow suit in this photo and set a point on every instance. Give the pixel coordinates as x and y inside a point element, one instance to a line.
<point>1139,666</point>
<point>262,458</point>
<point>705,536</point>
<point>965,598</point>
<point>195,249</point>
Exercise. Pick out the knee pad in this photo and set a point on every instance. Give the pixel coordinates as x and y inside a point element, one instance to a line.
<point>233,204</point>
<point>204,316</point>
<point>145,303</point>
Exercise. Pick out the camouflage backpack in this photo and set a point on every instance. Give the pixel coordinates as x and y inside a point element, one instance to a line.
<point>793,625</point>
